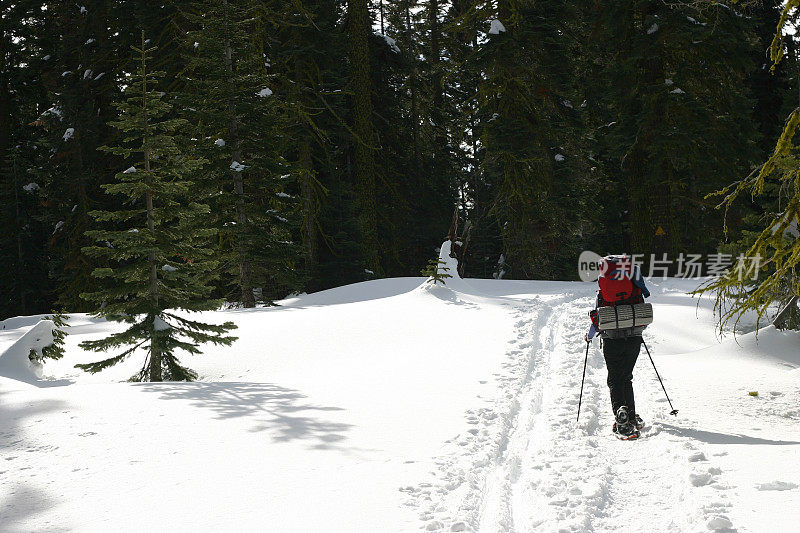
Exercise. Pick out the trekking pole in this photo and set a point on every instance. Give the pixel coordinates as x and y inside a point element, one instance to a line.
<point>674,411</point>
<point>580,398</point>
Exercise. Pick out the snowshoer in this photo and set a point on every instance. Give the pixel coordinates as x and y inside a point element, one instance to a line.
<point>620,283</point>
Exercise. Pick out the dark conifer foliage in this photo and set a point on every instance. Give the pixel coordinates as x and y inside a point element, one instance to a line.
<point>156,244</point>
<point>239,129</point>
<point>338,138</point>
<point>677,120</point>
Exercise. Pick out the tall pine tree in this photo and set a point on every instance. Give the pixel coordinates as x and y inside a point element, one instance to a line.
<point>238,121</point>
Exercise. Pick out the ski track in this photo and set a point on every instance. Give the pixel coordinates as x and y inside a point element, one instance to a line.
<point>524,465</point>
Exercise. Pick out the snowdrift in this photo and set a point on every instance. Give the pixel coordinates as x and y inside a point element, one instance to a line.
<point>15,362</point>
<point>396,406</point>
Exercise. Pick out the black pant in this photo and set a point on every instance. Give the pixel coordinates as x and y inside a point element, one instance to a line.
<point>620,355</point>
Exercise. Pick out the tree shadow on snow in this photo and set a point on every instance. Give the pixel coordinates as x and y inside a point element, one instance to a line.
<point>21,499</point>
<point>712,437</point>
<point>275,409</point>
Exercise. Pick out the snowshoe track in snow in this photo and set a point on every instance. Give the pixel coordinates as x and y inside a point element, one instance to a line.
<point>525,466</point>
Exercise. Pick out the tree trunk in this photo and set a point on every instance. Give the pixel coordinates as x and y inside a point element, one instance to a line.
<point>649,186</point>
<point>20,257</point>
<point>5,97</point>
<point>155,348</point>
<point>364,143</point>
<point>437,111</point>
<point>310,206</point>
<point>413,88</point>
<point>245,267</point>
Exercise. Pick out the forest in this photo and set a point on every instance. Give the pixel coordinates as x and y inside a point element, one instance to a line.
<point>240,151</point>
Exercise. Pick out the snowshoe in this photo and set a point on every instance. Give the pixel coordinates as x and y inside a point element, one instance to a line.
<point>625,431</point>
<point>625,426</point>
<point>639,422</point>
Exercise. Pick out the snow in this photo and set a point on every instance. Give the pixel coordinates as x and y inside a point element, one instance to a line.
<point>266,91</point>
<point>46,58</point>
<point>196,44</point>
<point>391,42</point>
<point>168,268</point>
<point>87,73</point>
<point>283,195</point>
<point>559,157</point>
<point>89,41</point>
<point>791,231</point>
<point>55,110</point>
<point>220,142</point>
<point>395,405</point>
<point>32,186</point>
<point>237,167</point>
<point>129,170</point>
<point>99,76</point>
<point>495,27</point>
<point>69,133</point>
<point>14,360</point>
<point>652,29</point>
<point>160,325</point>
<point>777,485</point>
<point>677,90</point>
<point>82,9</point>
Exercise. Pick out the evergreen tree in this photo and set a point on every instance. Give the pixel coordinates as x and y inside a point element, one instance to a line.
<point>239,123</point>
<point>417,192</point>
<point>82,76</point>
<point>56,349</point>
<point>24,287</point>
<point>156,244</point>
<point>530,135</point>
<point>306,46</point>
<point>676,117</point>
<point>771,252</point>
<point>364,142</point>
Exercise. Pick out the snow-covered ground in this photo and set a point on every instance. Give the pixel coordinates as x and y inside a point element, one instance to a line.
<point>385,406</point>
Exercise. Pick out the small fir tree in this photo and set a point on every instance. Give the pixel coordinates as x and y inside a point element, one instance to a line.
<point>55,350</point>
<point>156,245</point>
<point>436,271</point>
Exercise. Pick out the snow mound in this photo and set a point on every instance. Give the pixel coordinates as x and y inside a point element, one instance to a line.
<point>15,363</point>
<point>496,27</point>
<point>450,266</point>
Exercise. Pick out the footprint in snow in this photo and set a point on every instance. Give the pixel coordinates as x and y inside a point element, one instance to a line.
<point>700,479</point>
<point>719,523</point>
<point>776,485</point>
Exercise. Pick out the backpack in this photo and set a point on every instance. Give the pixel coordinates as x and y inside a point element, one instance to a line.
<point>620,311</point>
<point>616,282</point>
